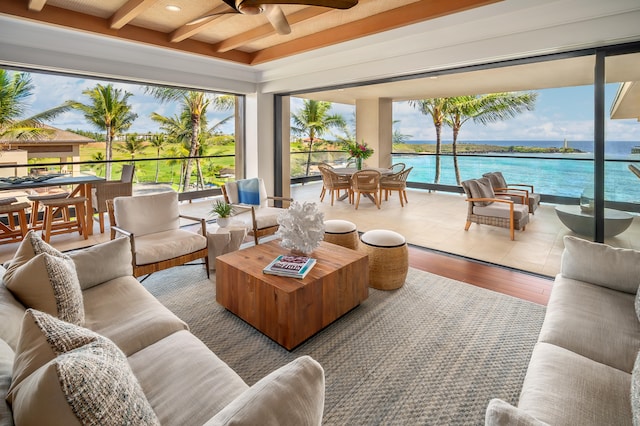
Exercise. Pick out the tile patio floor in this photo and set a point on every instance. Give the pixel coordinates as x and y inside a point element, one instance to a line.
<point>434,220</point>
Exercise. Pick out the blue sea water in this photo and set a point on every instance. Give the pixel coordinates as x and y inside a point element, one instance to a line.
<point>556,174</point>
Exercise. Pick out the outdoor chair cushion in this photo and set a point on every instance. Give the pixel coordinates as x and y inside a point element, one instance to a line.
<point>480,188</point>
<point>159,246</point>
<point>520,211</point>
<point>265,217</point>
<point>147,214</point>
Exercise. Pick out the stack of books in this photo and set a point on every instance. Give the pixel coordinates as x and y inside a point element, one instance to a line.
<point>290,266</point>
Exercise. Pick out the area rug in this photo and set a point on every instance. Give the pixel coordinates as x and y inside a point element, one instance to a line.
<point>432,352</point>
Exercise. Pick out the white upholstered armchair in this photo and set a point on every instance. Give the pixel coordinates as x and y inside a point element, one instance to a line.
<point>251,206</point>
<point>152,223</point>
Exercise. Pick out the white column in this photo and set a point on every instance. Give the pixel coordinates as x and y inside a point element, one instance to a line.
<point>259,153</point>
<point>374,126</point>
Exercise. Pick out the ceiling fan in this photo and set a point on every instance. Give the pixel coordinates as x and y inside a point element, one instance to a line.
<point>272,10</point>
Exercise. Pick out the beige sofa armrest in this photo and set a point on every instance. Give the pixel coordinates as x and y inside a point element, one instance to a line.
<point>501,413</point>
<point>291,395</point>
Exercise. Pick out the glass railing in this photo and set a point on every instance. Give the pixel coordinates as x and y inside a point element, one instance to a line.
<point>564,177</point>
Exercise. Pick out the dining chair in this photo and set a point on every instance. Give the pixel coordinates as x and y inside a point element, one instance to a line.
<point>397,167</point>
<point>334,183</point>
<point>108,190</point>
<point>324,187</point>
<point>395,182</point>
<point>366,182</point>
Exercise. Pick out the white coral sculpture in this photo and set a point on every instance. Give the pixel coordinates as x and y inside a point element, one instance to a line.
<point>301,227</point>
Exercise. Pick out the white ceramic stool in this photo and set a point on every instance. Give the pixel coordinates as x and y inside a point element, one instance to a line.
<point>341,232</point>
<point>388,258</point>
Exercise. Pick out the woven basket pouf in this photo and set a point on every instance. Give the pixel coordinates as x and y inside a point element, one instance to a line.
<point>388,258</point>
<point>341,232</point>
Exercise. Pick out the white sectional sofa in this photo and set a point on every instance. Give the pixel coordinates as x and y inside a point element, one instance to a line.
<point>181,380</point>
<point>585,361</point>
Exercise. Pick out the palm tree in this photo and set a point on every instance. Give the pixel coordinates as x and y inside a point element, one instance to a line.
<point>313,120</point>
<point>178,128</point>
<point>485,109</point>
<point>98,167</point>
<point>15,90</point>
<point>437,108</point>
<point>107,110</point>
<point>132,145</point>
<point>398,136</point>
<point>196,105</point>
<point>158,141</point>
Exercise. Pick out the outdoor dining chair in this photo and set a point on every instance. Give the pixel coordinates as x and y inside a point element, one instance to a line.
<point>395,182</point>
<point>108,190</point>
<point>366,182</point>
<point>334,183</point>
<point>397,167</point>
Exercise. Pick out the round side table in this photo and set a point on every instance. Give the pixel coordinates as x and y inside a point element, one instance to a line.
<point>224,240</point>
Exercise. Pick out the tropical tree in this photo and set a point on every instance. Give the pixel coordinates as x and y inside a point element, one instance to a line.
<point>484,109</point>
<point>159,142</point>
<point>132,145</point>
<point>398,136</point>
<point>314,120</point>
<point>178,128</point>
<point>98,167</point>
<point>15,90</point>
<point>196,105</point>
<point>437,109</point>
<point>107,110</point>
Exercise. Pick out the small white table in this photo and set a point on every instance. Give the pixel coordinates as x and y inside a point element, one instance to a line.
<point>224,240</point>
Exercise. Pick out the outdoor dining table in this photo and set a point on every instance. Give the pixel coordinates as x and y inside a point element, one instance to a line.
<point>349,171</point>
<point>81,183</point>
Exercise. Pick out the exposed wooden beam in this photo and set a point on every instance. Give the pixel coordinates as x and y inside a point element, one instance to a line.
<point>36,5</point>
<point>395,18</point>
<point>186,31</point>
<point>266,29</point>
<point>129,11</point>
<point>93,24</point>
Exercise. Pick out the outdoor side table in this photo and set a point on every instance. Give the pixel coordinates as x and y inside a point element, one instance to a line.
<point>224,240</point>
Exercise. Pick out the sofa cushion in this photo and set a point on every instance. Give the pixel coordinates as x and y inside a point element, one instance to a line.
<point>30,246</point>
<point>166,245</point>
<point>125,312</point>
<point>635,391</point>
<point>564,388</point>
<point>185,383</point>
<point>146,214</point>
<point>615,268</point>
<point>11,312</point>
<point>90,383</point>
<point>291,395</point>
<point>41,340</point>
<point>103,262</point>
<point>579,314</point>
<point>6,369</point>
<point>266,217</point>
<point>50,284</point>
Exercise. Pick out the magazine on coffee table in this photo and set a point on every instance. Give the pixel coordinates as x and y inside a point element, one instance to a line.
<point>290,266</point>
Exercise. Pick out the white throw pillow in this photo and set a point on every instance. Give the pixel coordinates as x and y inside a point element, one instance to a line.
<point>49,284</point>
<point>103,262</point>
<point>291,395</point>
<point>614,268</point>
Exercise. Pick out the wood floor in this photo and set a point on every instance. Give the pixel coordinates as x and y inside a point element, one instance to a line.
<point>503,280</point>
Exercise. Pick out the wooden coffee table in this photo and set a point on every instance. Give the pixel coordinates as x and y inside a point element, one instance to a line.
<point>289,310</point>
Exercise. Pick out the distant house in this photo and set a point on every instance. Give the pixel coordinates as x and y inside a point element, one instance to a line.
<point>58,144</point>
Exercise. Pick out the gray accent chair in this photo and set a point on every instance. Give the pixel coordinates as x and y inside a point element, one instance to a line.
<point>485,207</point>
<point>499,184</point>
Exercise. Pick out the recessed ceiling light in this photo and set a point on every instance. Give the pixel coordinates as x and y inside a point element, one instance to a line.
<point>172,8</point>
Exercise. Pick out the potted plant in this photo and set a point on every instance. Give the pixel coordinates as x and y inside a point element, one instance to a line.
<point>224,211</point>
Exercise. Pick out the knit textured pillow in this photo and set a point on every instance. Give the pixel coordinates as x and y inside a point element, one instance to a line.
<point>49,284</point>
<point>89,381</point>
<point>30,246</point>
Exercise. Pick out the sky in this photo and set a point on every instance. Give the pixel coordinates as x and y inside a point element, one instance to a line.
<point>565,113</point>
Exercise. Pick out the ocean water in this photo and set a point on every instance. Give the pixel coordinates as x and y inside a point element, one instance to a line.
<point>555,174</point>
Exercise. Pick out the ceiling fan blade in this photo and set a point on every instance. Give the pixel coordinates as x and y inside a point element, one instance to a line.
<point>334,4</point>
<point>214,13</point>
<point>276,17</point>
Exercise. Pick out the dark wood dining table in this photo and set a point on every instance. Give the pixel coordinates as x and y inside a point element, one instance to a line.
<point>81,188</point>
